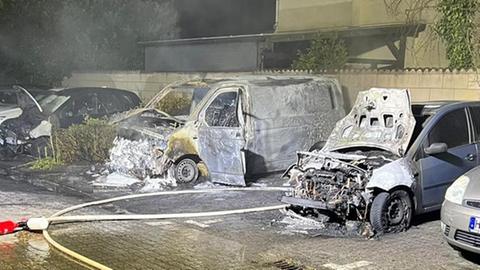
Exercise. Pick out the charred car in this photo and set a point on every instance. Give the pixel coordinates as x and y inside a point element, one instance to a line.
<point>27,117</point>
<point>387,160</point>
<point>228,128</point>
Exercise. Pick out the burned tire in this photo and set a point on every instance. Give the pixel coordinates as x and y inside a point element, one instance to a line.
<point>391,212</point>
<point>186,171</point>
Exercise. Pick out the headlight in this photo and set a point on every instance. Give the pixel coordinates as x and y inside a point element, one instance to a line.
<point>456,191</point>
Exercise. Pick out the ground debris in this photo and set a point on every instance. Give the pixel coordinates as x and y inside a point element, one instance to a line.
<point>322,226</point>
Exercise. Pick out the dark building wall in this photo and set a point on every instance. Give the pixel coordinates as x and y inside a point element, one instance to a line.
<point>203,57</point>
<point>205,18</point>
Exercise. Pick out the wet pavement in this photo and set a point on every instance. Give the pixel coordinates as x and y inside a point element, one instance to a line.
<point>249,241</point>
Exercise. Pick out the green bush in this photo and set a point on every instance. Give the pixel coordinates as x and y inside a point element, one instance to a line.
<point>90,141</point>
<point>325,52</point>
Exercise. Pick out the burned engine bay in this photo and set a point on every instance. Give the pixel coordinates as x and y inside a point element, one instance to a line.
<point>141,142</point>
<point>335,182</point>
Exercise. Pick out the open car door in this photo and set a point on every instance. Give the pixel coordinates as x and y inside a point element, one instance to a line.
<point>221,137</point>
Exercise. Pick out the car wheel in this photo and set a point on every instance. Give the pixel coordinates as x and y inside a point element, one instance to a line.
<point>186,171</point>
<point>391,212</point>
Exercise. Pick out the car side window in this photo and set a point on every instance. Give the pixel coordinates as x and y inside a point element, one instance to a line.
<point>222,112</point>
<point>452,129</point>
<point>85,105</point>
<point>109,103</point>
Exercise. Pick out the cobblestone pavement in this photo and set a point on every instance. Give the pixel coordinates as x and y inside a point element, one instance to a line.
<point>252,241</point>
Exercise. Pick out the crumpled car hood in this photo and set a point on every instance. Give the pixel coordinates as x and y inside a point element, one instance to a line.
<point>380,118</point>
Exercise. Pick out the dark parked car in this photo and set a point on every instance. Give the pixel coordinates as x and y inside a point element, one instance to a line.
<point>26,118</point>
<point>387,160</point>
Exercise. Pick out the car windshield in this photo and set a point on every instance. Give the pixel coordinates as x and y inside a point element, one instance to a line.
<point>180,102</point>
<point>51,103</point>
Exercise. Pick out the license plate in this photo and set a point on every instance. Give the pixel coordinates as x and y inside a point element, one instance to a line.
<point>474,225</point>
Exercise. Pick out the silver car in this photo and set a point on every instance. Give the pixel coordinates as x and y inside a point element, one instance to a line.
<point>461,212</point>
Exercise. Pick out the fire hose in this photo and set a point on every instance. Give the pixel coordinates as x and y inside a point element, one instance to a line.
<point>42,223</point>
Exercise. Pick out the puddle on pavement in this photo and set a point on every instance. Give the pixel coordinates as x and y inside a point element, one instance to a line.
<point>24,246</point>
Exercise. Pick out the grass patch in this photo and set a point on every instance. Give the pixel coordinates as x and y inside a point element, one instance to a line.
<point>46,164</point>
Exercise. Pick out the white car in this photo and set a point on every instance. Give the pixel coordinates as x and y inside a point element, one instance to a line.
<point>461,212</point>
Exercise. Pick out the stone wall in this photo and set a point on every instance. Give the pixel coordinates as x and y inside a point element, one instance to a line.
<point>146,85</point>
<point>425,85</point>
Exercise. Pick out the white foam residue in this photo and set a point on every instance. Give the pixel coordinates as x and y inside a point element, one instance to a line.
<point>135,158</point>
<point>157,184</point>
<point>116,180</point>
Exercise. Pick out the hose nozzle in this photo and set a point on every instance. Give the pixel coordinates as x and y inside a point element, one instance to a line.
<point>8,227</point>
<point>31,224</point>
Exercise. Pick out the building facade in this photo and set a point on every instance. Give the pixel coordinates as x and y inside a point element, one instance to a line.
<point>376,37</point>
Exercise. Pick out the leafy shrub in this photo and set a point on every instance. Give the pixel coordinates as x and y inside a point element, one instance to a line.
<point>90,141</point>
<point>325,52</point>
<point>457,28</point>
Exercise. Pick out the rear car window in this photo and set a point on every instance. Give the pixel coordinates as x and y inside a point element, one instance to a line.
<point>452,129</point>
<point>475,112</point>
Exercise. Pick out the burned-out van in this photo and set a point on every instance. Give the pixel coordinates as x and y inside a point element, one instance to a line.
<point>227,129</point>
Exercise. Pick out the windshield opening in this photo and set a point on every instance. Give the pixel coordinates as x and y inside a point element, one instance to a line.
<point>51,103</point>
<point>181,102</point>
<point>421,119</point>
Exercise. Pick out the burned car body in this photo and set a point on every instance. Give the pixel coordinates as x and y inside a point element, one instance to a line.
<point>236,126</point>
<point>27,122</point>
<point>385,161</point>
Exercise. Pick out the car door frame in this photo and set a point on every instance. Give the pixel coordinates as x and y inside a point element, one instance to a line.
<point>422,142</point>
<point>224,177</point>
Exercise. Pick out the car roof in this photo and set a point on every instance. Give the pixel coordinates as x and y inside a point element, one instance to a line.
<point>80,90</point>
<point>258,80</point>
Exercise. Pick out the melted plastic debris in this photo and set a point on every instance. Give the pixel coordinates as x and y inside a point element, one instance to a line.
<point>115,180</point>
<point>137,158</point>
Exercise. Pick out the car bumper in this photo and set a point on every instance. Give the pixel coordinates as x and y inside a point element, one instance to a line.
<point>455,226</point>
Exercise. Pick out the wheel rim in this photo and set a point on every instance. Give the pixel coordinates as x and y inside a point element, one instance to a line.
<point>395,211</point>
<point>397,214</point>
<point>185,171</point>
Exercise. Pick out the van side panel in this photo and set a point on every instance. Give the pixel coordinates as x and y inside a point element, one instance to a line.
<point>289,116</point>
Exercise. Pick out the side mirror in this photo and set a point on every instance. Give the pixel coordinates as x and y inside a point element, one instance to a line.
<point>436,148</point>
